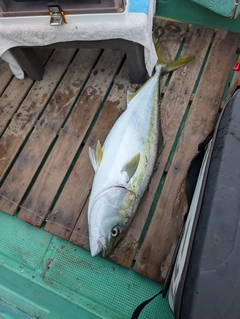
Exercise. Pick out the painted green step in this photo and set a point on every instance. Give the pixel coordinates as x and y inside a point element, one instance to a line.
<point>46,277</point>
<point>190,12</point>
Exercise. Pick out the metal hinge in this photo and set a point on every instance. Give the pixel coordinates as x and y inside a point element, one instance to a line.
<point>57,16</point>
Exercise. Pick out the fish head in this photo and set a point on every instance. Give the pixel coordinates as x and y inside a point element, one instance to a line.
<point>108,217</point>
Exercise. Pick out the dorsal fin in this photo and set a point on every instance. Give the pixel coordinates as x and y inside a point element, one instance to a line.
<point>131,166</point>
<point>96,156</point>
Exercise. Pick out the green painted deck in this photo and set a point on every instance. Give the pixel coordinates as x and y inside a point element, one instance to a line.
<point>45,175</point>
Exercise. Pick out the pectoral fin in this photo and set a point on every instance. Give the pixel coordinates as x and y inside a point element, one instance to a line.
<point>96,156</point>
<point>131,166</point>
<point>130,96</point>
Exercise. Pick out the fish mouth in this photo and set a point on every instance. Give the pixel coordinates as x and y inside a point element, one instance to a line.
<point>101,246</point>
<point>98,247</point>
<point>102,242</point>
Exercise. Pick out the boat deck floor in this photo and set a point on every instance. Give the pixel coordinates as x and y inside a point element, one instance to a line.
<point>46,128</point>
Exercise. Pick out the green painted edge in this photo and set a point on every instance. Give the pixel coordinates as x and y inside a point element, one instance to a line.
<point>190,12</point>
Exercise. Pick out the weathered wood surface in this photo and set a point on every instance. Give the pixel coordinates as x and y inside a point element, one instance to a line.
<point>43,137</point>
<point>48,126</point>
<point>73,133</point>
<point>159,243</point>
<point>6,76</point>
<point>14,94</point>
<point>33,104</point>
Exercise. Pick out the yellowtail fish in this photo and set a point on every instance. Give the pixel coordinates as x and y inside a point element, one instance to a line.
<point>125,163</point>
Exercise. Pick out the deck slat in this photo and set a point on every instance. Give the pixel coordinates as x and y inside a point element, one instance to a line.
<point>14,94</point>
<point>6,76</point>
<point>158,246</point>
<point>26,116</point>
<point>45,133</point>
<point>73,196</point>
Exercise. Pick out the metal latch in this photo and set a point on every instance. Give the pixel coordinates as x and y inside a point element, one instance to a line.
<point>56,15</point>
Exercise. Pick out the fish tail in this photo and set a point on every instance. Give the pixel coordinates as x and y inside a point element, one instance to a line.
<point>166,67</point>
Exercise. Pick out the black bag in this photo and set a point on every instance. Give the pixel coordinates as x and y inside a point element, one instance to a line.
<point>205,281</point>
<point>205,269</point>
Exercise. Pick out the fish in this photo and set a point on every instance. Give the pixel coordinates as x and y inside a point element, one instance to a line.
<point>125,163</point>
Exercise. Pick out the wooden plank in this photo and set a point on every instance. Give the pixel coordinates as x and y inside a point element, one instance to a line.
<point>71,137</point>
<point>26,116</point>
<point>5,74</point>
<point>14,94</point>
<point>173,106</point>
<point>160,240</point>
<point>114,106</point>
<point>44,134</point>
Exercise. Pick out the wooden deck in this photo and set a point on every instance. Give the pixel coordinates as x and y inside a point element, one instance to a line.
<point>46,128</point>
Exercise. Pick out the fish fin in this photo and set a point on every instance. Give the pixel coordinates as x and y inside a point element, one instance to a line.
<point>160,59</point>
<point>99,152</point>
<point>178,64</point>
<point>131,166</point>
<point>170,66</point>
<point>96,156</point>
<point>130,96</point>
<point>92,156</point>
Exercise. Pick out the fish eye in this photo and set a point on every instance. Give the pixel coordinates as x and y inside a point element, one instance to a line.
<point>115,231</point>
